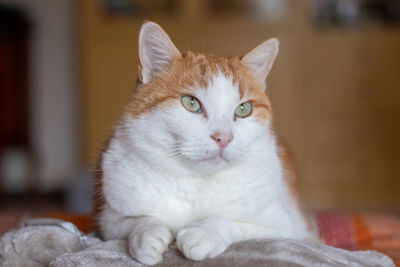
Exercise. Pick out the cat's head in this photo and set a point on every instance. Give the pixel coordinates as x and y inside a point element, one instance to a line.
<point>208,112</point>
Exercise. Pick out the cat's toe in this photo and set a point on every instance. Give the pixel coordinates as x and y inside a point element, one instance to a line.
<point>148,245</point>
<point>198,251</point>
<point>149,259</point>
<point>197,244</point>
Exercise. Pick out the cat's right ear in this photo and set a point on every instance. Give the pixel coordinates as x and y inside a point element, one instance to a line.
<point>156,51</point>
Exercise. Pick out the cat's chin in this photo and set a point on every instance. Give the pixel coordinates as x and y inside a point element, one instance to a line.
<point>207,167</point>
<point>210,164</point>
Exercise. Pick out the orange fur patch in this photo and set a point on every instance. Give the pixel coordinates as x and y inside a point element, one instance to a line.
<point>290,176</point>
<point>98,200</point>
<point>191,71</point>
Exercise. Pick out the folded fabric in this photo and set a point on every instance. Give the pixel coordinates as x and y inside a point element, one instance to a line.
<point>59,243</point>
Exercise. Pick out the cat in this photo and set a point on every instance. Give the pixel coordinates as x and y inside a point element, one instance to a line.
<point>194,157</point>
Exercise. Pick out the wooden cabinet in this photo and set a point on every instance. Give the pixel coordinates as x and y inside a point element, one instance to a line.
<point>352,119</point>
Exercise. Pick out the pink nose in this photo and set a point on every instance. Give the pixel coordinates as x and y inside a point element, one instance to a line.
<point>222,138</point>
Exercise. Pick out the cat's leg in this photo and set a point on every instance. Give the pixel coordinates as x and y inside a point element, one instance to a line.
<point>148,238</point>
<point>207,238</point>
<point>212,236</point>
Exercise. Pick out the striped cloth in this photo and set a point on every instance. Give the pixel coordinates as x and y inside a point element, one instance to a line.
<point>361,232</point>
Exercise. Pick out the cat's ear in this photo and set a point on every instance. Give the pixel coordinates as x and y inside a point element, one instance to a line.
<point>261,58</point>
<point>156,51</point>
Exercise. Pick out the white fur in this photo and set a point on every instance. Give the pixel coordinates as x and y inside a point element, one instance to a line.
<point>159,173</point>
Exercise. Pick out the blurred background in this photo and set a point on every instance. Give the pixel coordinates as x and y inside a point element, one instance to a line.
<point>68,67</point>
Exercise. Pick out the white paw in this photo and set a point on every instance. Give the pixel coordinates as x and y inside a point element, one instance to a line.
<point>198,243</point>
<point>148,243</point>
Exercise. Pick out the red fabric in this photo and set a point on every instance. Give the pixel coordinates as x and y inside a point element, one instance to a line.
<point>361,232</point>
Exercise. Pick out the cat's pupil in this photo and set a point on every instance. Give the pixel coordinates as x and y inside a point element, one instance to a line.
<point>192,101</point>
<point>241,107</point>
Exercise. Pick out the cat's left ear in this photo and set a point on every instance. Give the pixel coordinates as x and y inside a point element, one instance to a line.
<point>261,58</point>
<point>156,51</point>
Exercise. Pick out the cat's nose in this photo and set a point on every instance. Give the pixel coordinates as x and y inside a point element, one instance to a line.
<point>222,138</point>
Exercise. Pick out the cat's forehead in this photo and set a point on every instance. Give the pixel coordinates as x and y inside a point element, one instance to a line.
<point>220,94</point>
<point>204,69</point>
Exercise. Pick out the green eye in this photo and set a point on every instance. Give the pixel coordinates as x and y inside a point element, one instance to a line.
<point>191,103</point>
<point>243,110</point>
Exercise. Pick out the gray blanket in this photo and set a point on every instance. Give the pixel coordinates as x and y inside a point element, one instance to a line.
<point>58,243</point>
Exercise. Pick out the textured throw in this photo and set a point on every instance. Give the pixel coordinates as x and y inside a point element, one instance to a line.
<point>60,243</point>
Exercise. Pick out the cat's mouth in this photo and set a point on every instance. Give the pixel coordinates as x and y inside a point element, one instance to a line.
<point>216,158</point>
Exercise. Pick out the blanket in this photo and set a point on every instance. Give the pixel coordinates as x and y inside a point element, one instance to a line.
<point>51,242</point>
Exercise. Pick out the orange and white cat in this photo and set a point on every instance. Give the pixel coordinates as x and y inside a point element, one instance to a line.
<point>194,157</point>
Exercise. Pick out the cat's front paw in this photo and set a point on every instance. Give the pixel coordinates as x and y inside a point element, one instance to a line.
<point>148,243</point>
<point>198,243</point>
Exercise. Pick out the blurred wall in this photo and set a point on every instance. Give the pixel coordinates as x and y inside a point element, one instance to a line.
<point>53,115</point>
<point>334,91</point>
